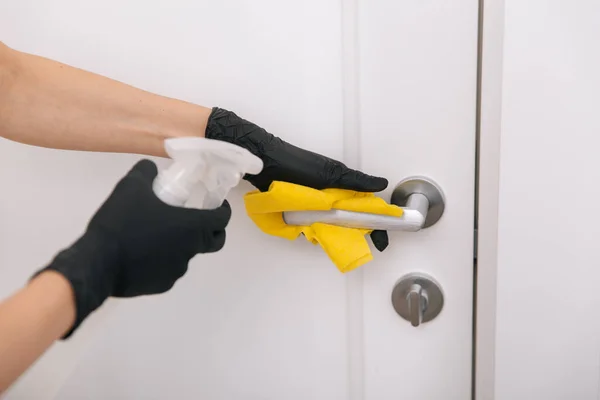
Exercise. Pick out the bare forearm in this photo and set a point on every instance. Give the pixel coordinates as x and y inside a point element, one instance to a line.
<point>46,103</point>
<point>31,320</point>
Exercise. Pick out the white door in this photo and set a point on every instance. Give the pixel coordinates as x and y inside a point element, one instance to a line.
<point>389,86</point>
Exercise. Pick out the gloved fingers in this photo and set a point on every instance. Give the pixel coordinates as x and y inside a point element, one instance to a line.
<point>219,240</point>
<point>380,240</point>
<point>261,181</point>
<point>355,180</point>
<point>127,190</point>
<point>145,170</point>
<point>211,242</point>
<point>153,282</point>
<point>181,270</point>
<point>209,220</point>
<point>165,286</point>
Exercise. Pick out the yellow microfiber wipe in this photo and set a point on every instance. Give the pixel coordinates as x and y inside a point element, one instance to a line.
<point>346,247</point>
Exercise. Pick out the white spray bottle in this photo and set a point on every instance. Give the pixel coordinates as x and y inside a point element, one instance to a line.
<point>206,167</point>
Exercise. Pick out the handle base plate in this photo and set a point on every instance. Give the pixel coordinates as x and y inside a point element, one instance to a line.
<point>426,187</point>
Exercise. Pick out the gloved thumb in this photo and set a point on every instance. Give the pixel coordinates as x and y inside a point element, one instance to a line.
<point>145,170</point>
<point>380,240</point>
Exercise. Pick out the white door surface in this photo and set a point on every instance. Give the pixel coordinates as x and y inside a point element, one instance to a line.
<point>548,302</point>
<point>389,86</point>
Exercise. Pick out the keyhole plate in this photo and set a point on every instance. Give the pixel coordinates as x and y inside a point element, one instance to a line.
<point>433,290</point>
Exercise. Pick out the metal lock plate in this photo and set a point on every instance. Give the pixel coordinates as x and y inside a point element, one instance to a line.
<point>417,298</point>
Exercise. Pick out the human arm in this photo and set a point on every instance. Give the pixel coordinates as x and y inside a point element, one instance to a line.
<point>134,245</point>
<point>49,104</point>
<point>31,320</point>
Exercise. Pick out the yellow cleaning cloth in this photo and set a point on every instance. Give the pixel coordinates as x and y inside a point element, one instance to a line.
<point>347,247</point>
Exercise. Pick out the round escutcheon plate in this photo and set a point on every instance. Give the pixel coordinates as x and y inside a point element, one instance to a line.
<point>431,290</point>
<point>426,187</point>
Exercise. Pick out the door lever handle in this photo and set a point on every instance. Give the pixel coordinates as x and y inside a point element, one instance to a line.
<point>421,200</point>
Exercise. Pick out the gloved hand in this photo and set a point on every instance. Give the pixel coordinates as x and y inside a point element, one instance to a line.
<point>288,163</point>
<point>136,244</point>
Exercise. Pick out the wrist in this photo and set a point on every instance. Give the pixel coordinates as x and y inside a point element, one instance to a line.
<point>161,118</point>
<point>56,298</point>
<point>90,266</point>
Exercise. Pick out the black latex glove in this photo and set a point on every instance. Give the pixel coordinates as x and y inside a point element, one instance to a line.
<point>136,244</point>
<point>288,163</point>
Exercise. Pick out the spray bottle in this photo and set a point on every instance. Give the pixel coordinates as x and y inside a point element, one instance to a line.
<point>206,167</point>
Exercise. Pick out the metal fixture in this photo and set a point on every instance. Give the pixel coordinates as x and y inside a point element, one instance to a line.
<point>421,199</point>
<point>417,298</point>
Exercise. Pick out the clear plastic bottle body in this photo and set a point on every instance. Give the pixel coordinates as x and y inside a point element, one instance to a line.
<point>173,185</point>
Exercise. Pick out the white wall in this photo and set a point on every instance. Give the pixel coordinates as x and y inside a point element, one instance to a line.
<point>548,297</point>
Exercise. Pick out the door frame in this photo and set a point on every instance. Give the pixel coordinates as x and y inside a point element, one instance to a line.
<point>489,117</point>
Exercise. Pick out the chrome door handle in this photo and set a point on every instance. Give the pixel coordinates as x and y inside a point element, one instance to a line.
<point>417,298</point>
<point>421,199</point>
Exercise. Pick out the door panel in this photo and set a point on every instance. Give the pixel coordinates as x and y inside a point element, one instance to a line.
<point>264,318</point>
<point>418,94</point>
